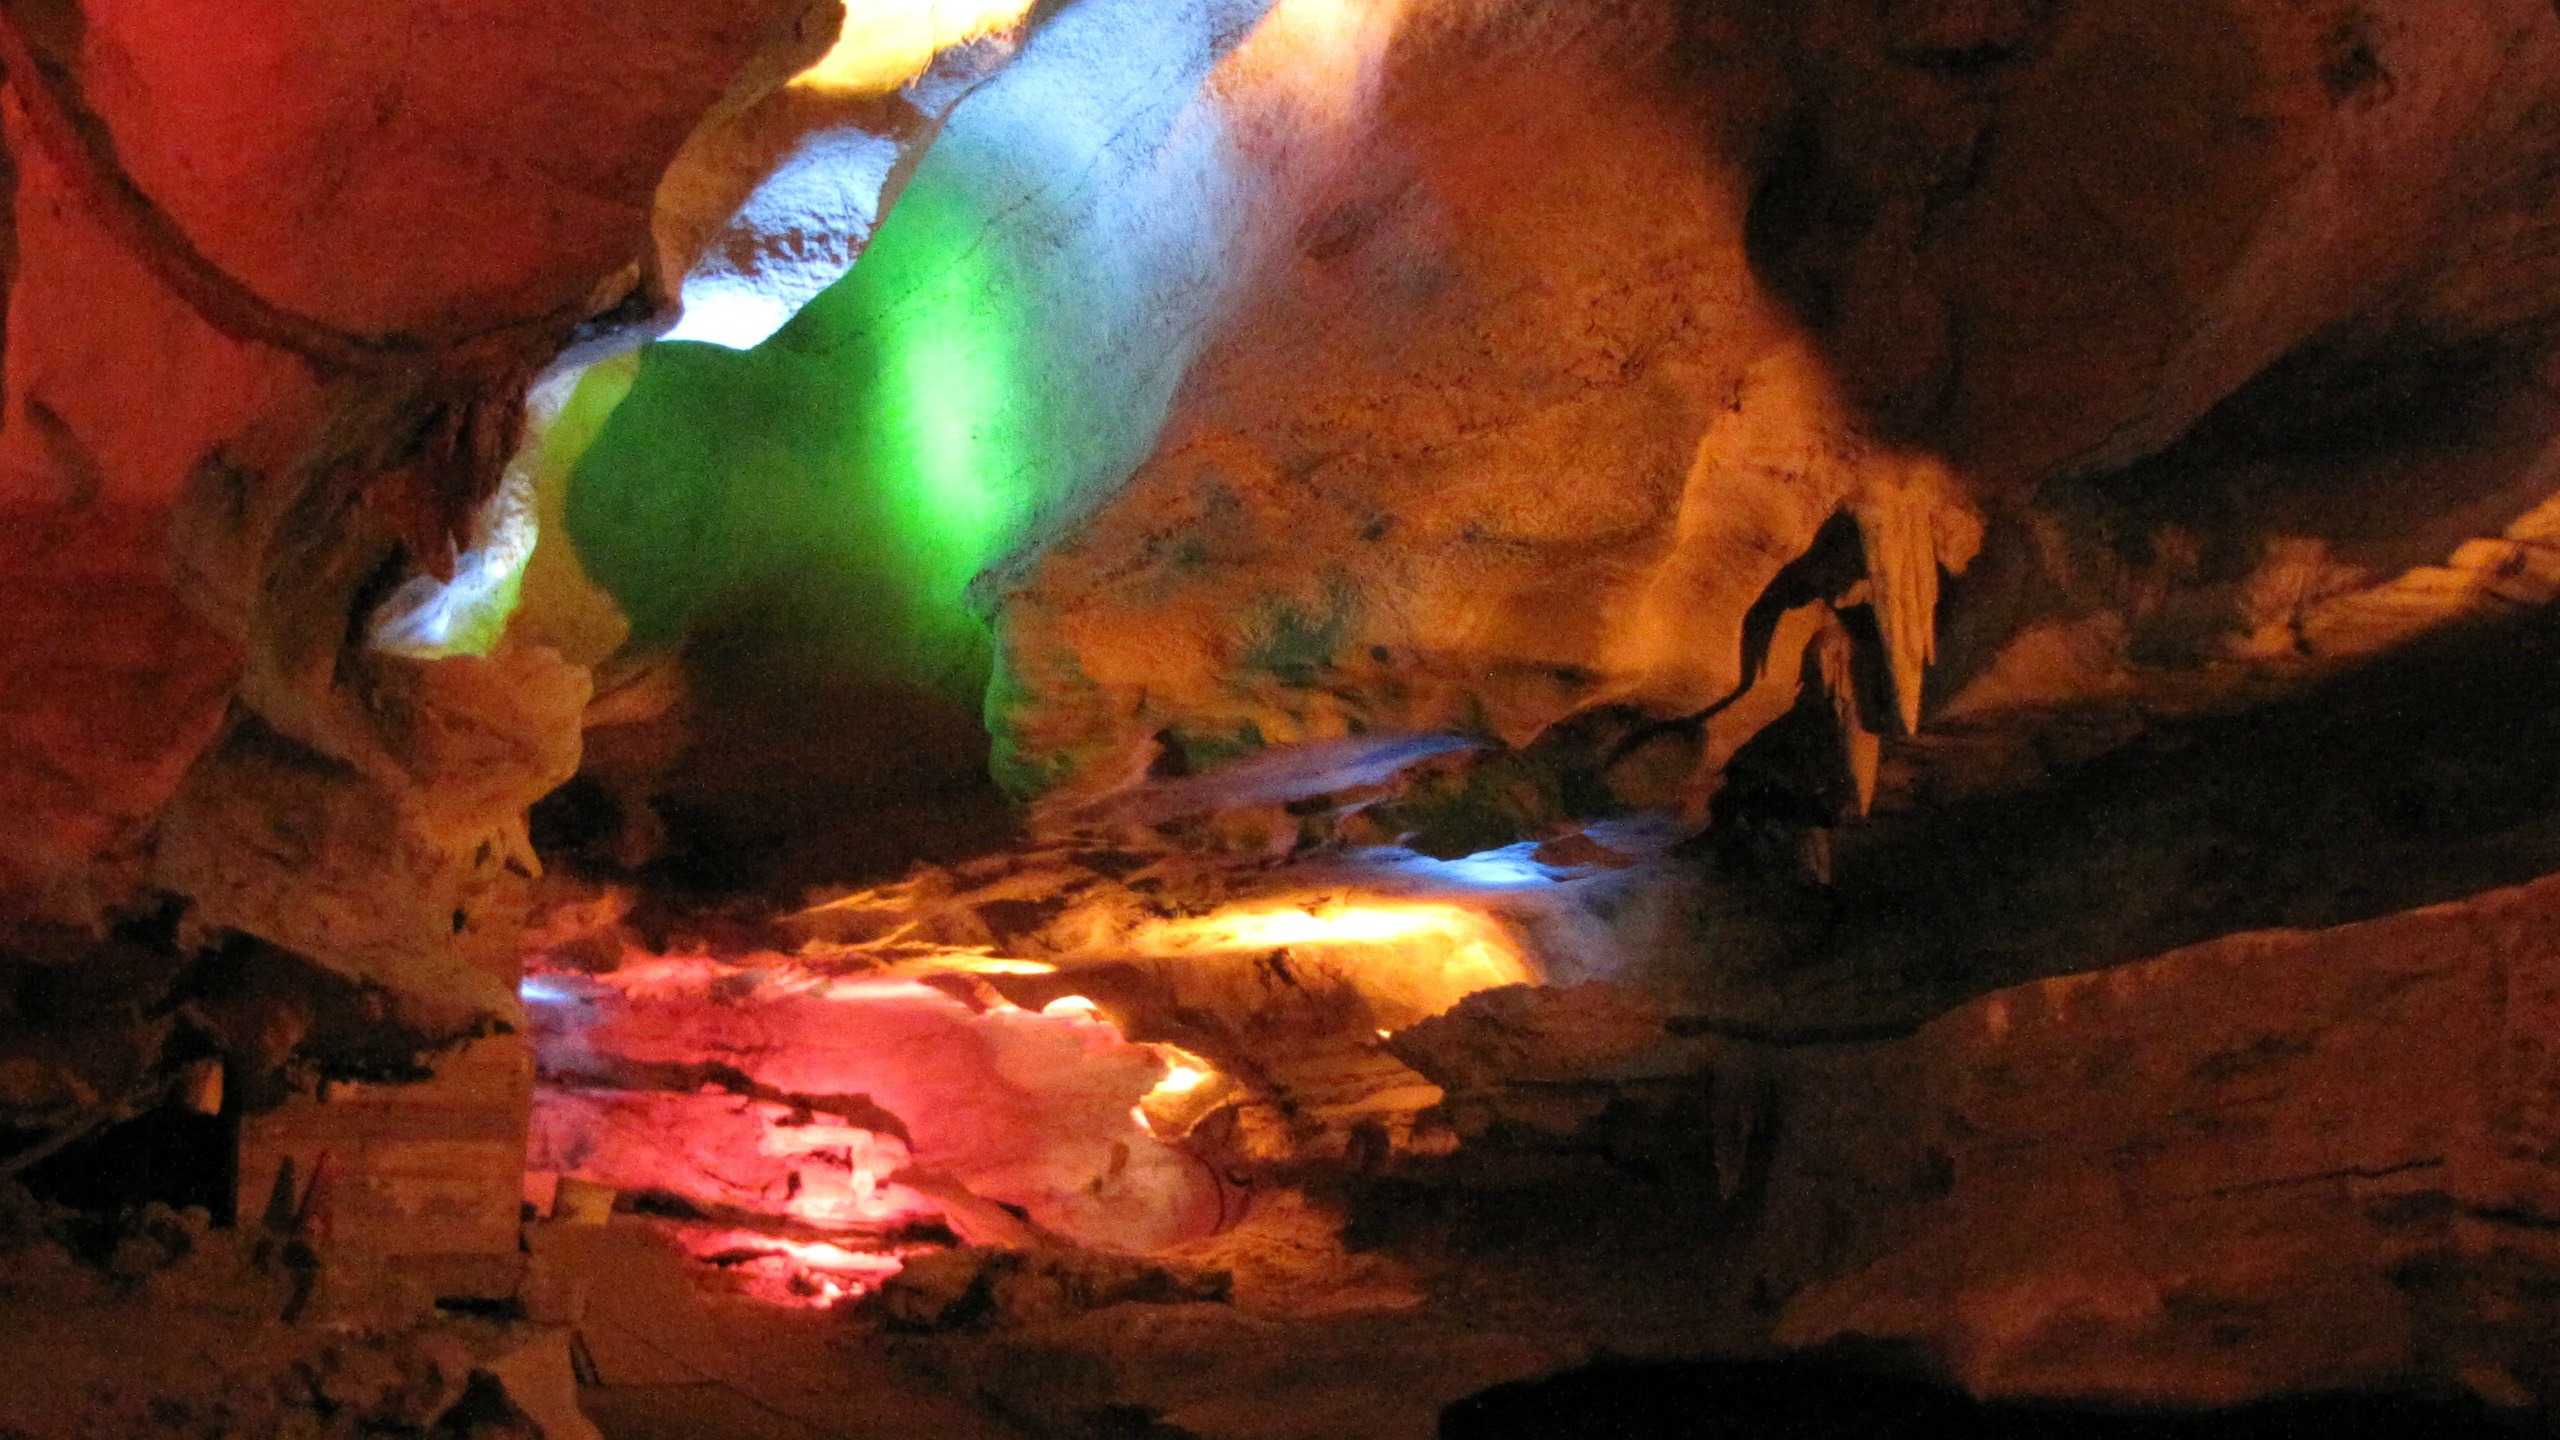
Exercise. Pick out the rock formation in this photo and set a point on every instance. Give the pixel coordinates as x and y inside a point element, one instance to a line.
<point>1926,628</point>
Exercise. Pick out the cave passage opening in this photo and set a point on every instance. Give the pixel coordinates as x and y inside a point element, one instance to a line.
<point>784,560</point>
<point>790,532</point>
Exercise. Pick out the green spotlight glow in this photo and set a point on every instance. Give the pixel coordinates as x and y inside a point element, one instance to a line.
<point>1003,354</point>
<point>840,484</point>
<point>938,418</point>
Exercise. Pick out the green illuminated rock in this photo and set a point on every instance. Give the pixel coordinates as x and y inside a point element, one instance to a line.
<point>839,485</point>
<point>1001,357</point>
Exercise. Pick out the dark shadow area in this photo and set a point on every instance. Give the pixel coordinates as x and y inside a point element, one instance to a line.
<point>2392,448</point>
<point>767,847</point>
<point>2424,777</point>
<point>168,1155</point>
<point>1814,1400</point>
<point>1977,211</point>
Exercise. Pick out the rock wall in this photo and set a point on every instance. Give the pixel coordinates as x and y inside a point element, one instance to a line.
<point>1432,428</point>
<point>281,281</point>
<point>2145,1183</point>
<point>2274,1163</point>
<point>1541,403</point>
<point>1841,407</point>
<point>809,515</point>
<point>1453,409</point>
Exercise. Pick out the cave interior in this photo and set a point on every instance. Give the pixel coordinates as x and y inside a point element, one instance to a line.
<point>1279,719</point>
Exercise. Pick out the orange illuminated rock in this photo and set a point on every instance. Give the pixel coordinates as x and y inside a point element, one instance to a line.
<point>2137,1183</point>
<point>93,736</point>
<point>1532,406</point>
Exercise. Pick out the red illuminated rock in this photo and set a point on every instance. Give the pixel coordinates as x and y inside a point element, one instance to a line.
<point>761,1090</point>
<point>197,199</point>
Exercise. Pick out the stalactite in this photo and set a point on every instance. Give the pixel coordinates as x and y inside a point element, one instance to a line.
<point>1911,527</point>
<point>1902,572</point>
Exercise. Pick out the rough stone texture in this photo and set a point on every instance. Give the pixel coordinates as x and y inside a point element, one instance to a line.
<point>809,516</point>
<point>215,510</point>
<point>685,1078</point>
<point>2138,1183</point>
<point>2065,431</point>
<point>2130,1185</point>
<point>767,206</point>
<point>1351,518</point>
<point>1987,260</point>
<point>159,1324</point>
<point>1864,262</point>
<point>1485,446</point>
<point>469,120</point>
<point>100,732</point>
<point>437,197</point>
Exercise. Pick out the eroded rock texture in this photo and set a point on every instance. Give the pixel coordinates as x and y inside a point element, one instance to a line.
<point>2137,1183</point>
<point>2353,1120</point>
<point>1440,440</point>
<point>280,284</point>
<point>2044,494</point>
<point>1531,409</point>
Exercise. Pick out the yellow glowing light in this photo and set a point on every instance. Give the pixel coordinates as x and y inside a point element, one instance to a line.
<point>963,963</point>
<point>886,43</point>
<point>1461,935</point>
<point>1409,958</point>
<point>801,1272</point>
<point>1191,1088</point>
<point>1071,1005</point>
<point>1305,18</point>
<point>833,1257</point>
<point>1271,929</point>
<point>1327,56</point>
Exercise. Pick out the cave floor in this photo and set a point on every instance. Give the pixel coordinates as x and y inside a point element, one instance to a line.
<point>788,1374</point>
<point>1372,1291</point>
<point>1371,1331</point>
